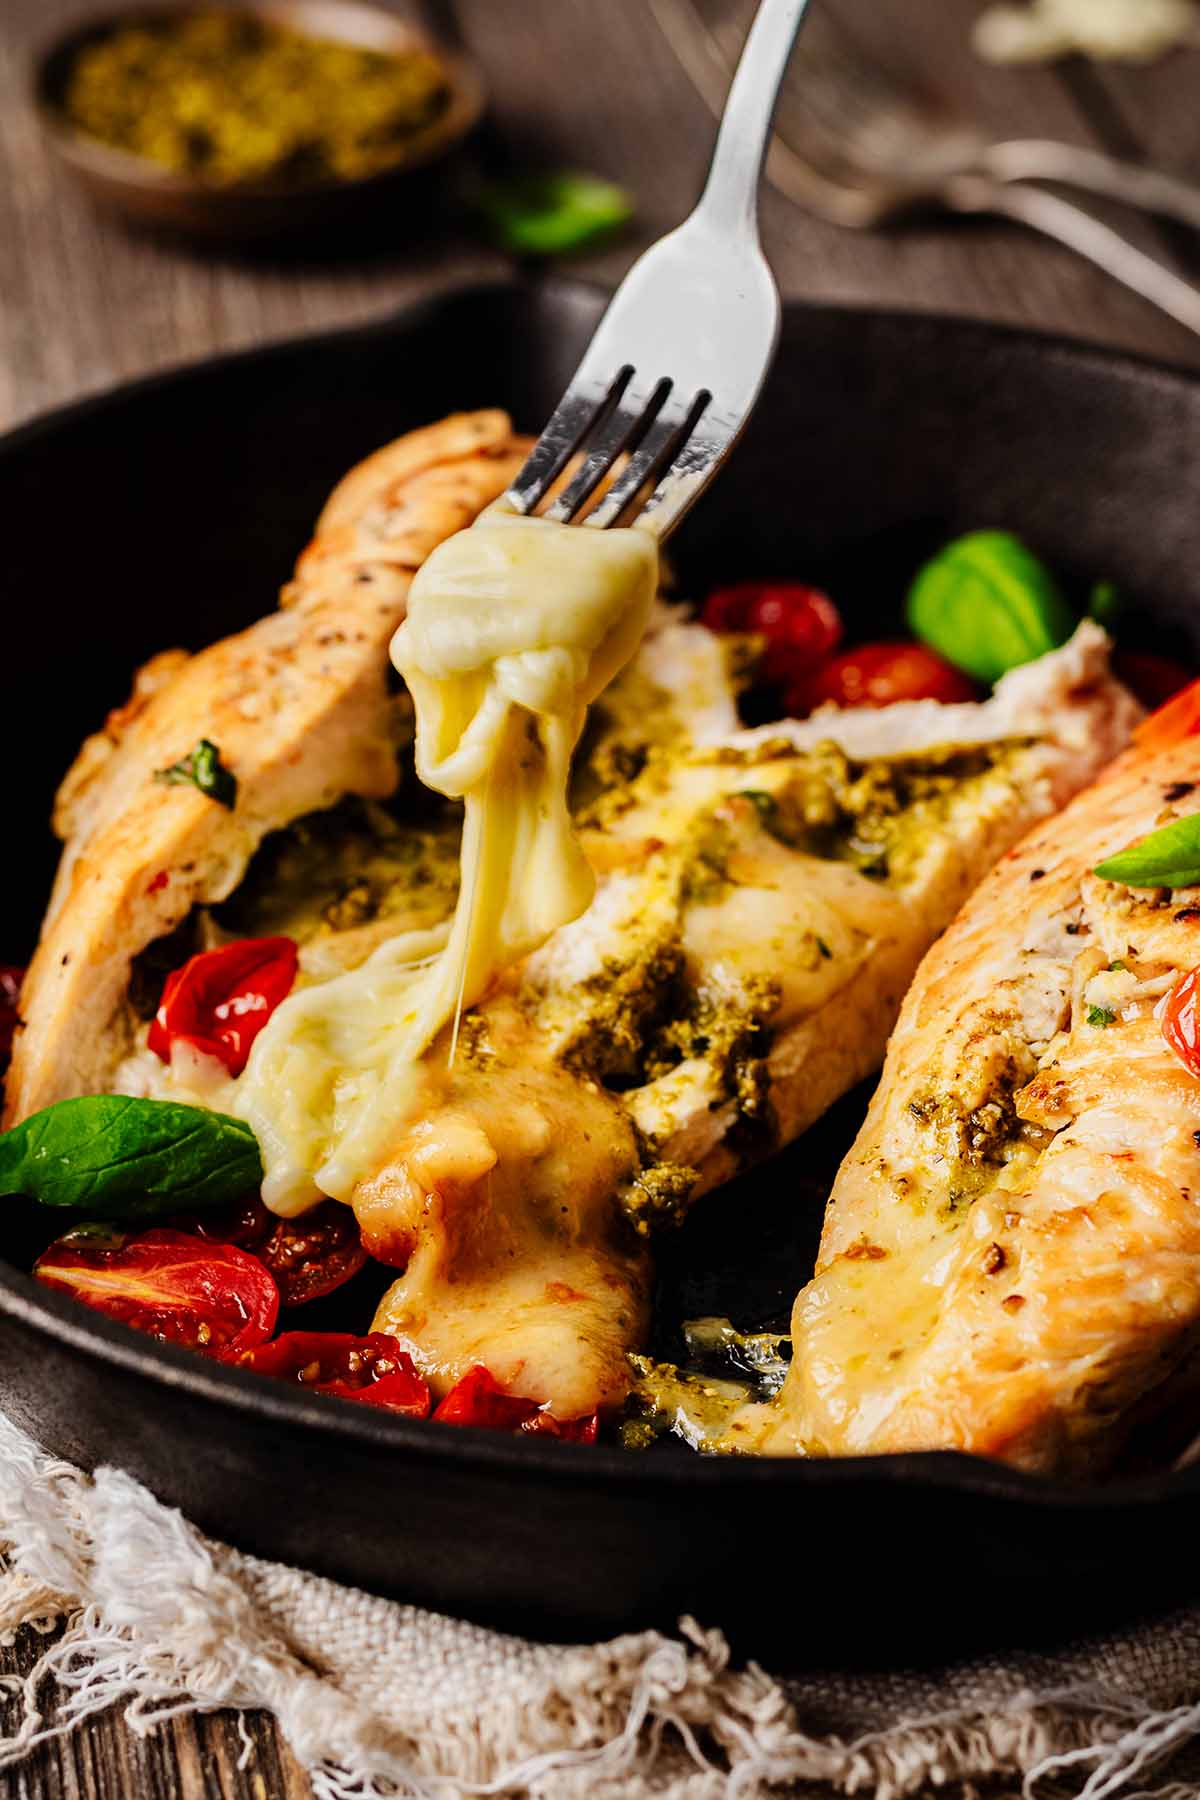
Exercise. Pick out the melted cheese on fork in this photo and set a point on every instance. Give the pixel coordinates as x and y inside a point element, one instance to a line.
<point>514,626</point>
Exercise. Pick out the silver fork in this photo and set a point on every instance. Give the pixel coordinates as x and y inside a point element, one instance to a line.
<point>868,146</point>
<point>680,356</point>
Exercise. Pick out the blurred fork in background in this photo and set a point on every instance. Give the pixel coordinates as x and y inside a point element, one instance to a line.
<point>863,144</point>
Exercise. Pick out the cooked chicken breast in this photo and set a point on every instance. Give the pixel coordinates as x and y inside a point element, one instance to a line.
<point>767,895</point>
<point>299,708</point>
<point>1011,1255</point>
<point>763,898</point>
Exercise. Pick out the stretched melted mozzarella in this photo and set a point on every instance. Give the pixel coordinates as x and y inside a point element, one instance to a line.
<point>513,627</point>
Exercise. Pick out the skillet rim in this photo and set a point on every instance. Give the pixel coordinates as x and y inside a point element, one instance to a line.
<point>599,1466</point>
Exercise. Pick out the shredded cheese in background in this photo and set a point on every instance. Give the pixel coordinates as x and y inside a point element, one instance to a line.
<point>514,626</point>
<point>1116,30</point>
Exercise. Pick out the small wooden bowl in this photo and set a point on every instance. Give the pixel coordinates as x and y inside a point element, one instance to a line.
<point>156,196</point>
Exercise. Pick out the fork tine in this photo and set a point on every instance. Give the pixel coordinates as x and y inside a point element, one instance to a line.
<point>663,443</point>
<point>681,483</point>
<point>577,414</point>
<point>698,312</point>
<point>624,430</point>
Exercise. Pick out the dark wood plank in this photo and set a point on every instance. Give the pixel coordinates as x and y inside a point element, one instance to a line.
<point>1149,113</point>
<point>187,1758</point>
<point>1151,109</point>
<point>84,303</point>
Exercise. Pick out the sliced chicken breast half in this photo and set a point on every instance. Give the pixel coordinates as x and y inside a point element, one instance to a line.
<point>1011,1255</point>
<point>299,709</point>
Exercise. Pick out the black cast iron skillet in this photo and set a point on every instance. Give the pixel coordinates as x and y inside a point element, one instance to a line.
<point>169,512</point>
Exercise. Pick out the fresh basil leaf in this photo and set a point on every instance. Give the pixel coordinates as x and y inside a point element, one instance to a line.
<point>1106,604</point>
<point>987,604</point>
<point>549,213</point>
<point>118,1158</point>
<point>203,768</point>
<point>1167,858</point>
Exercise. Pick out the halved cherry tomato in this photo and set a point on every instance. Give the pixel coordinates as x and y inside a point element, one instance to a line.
<point>247,1224</point>
<point>309,1256</point>
<point>801,625</point>
<point>10,993</point>
<point>211,1297</point>
<point>1151,678</point>
<point>1178,719</point>
<point>478,1399</point>
<point>1176,1014</point>
<point>572,1431</point>
<point>879,675</point>
<point>220,1000</point>
<point>373,1369</point>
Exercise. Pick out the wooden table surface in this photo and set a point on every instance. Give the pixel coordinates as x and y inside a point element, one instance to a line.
<point>83,304</point>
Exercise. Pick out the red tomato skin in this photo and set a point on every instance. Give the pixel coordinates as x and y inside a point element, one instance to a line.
<point>208,1297</point>
<point>1178,719</point>
<point>879,675</point>
<point>801,625</point>
<point>11,978</point>
<point>1150,678</point>
<point>728,608</point>
<point>478,1399</point>
<point>1177,1020</point>
<point>247,1224</point>
<point>404,1393</point>
<point>309,1256</point>
<point>373,1370</point>
<point>572,1431</point>
<point>315,1254</point>
<point>220,1000</point>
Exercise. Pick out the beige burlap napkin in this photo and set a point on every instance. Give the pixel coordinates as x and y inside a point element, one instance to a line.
<point>379,1699</point>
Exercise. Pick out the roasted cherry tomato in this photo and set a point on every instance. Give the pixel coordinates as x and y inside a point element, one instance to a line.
<point>1151,678</point>
<point>1177,1017</point>
<point>248,1224</point>
<point>571,1431</point>
<point>211,1297</point>
<point>478,1399</point>
<point>220,1000</point>
<point>10,993</point>
<point>801,625</point>
<point>1178,719</point>
<point>879,675</point>
<point>314,1254</point>
<point>309,1256</point>
<point>372,1369</point>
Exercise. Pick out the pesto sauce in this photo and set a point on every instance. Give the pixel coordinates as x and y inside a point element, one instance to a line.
<point>685,1403</point>
<point>658,1196</point>
<point>874,814</point>
<point>347,867</point>
<point>727,1369</point>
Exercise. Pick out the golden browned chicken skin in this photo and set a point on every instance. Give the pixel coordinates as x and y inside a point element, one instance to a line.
<point>1011,1256</point>
<point>299,707</point>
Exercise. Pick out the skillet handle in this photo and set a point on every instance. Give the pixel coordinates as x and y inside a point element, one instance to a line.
<point>1089,237</point>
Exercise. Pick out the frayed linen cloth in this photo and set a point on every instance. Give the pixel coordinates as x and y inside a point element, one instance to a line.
<point>377,1699</point>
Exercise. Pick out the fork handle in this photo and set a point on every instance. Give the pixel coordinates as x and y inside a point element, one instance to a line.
<point>1042,159</point>
<point>730,198</point>
<point>1089,237</point>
